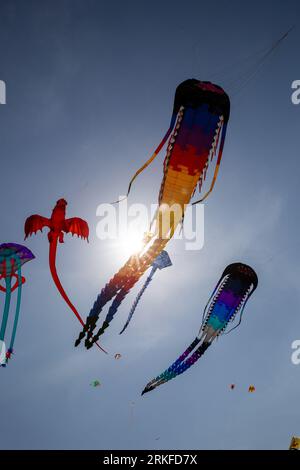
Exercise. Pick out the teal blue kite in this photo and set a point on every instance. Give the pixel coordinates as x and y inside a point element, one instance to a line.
<point>12,258</point>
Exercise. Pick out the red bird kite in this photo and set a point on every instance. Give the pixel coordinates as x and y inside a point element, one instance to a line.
<point>58,225</point>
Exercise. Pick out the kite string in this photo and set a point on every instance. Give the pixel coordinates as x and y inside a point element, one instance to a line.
<point>247,76</point>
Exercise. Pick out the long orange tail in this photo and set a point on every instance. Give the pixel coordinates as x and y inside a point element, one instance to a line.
<point>52,264</point>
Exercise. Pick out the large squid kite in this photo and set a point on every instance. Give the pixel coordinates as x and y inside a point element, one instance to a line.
<point>236,285</point>
<point>58,224</point>
<point>196,134</point>
<point>12,258</point>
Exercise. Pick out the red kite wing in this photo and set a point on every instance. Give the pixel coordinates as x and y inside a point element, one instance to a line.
<point>34,223</point>
<point>78,227</point>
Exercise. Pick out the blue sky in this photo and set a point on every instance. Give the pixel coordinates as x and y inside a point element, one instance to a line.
<point>90,88</point>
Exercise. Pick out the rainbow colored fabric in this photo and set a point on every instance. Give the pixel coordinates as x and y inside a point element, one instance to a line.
<point>196,134</point>
<point>230,296</point>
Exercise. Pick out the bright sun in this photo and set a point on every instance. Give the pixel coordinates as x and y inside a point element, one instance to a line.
<point>131,243</point>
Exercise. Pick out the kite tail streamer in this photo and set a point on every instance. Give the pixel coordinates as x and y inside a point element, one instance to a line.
<point>107,293</point>
<point>179,366</point>
<point>241,307</point>
<point>224,129</point>
<point>155,153</point>
<point>16,320</point>
<point>123,281</point>
<point>52,258</point>
<point>138,297</point>
<point>7,304</point>
<point>52,264</point>
<point>111,313</point>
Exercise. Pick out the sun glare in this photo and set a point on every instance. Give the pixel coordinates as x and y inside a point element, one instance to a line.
<point>131,243</point>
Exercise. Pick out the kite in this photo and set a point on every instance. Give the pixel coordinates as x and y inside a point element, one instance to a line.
<point>251,389</point>
<point>161,262</point>
<point>118,356</point>
<point>295,443</point>
<point>95,383</point>
<point>232,386</point>
<point>58,224</point>
<point>12,258</point>
<point>236,285</point>
<point>196,134</point>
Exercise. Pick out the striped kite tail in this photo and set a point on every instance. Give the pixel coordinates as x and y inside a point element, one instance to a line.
<point>134,273</point>
<point>107,293</point>
<point>179,366</point>
<point>138,298</point>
